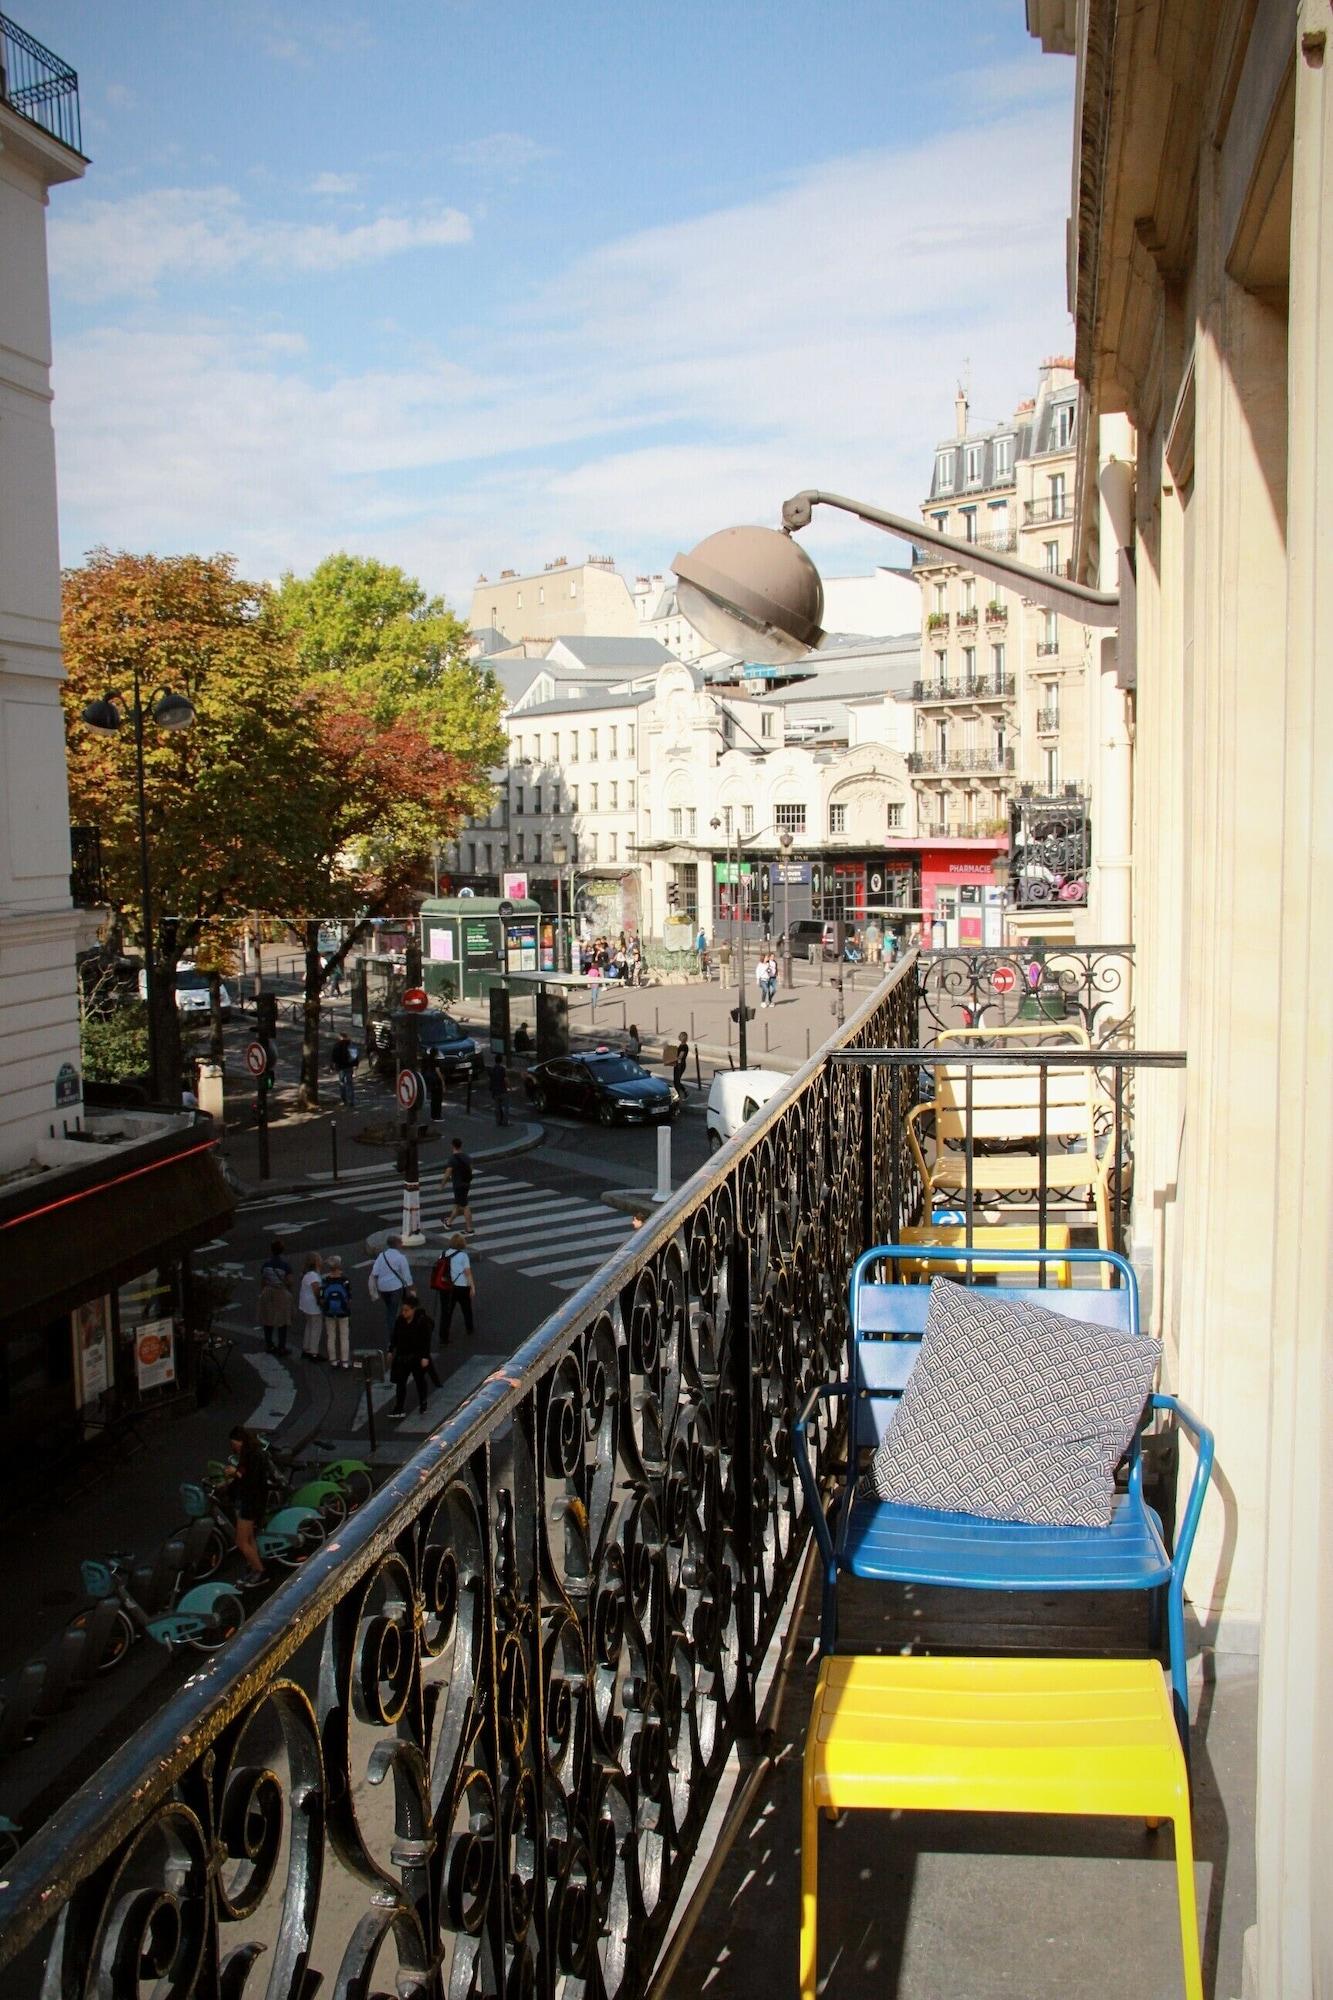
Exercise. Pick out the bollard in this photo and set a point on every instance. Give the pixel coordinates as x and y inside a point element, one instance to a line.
<point>663,1190</point>
<point>698,1073</point>
<point>807,1045</point>
<point>657,1022</point>
<point>333,1143</point>
<point>692,1034</point>
<point>766,1038</point>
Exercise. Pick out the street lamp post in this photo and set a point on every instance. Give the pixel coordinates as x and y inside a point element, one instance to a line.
<point>738,935</point>
<point>786,841</point>
<point>172,712</point>
<point>999,869</point>
<point>559,855</point>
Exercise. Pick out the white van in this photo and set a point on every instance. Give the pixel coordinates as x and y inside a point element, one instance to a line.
<point>734,1096</point>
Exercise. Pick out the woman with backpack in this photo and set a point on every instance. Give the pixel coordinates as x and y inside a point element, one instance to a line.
<point>335,1299</point>
<point>452,1281</point>
<point>409,1346</point>
<point>275,1299</point>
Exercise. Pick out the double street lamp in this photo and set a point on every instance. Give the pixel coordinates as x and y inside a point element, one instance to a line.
<point>173,713</point>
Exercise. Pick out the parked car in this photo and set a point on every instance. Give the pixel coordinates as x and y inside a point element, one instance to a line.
<point>438,1034</point>
<point>602,1085</point>
<point>810,933</point>
<point>733,1098</point>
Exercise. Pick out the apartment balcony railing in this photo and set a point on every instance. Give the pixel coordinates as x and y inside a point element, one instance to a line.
<point>38,85</point>
<point>1048,721</point>
<point>87,886</point>
<point>937,621</point>
<point>1092,985</point>
<point>927,763</point>
<point>1003,539</point>
<point>1036,513</point>
<point>1047,649</point>
<point>967,621</point>
<point>983,687</point>
<point>471,1747</point>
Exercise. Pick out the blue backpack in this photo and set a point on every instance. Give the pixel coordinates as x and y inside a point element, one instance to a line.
<point>335,1299</point>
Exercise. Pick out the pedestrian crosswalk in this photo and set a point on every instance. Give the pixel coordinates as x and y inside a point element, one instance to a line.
<point>537,1231</point>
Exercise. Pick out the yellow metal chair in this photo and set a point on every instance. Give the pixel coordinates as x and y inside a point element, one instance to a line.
<point>914,1734</point>
<point>1052,1145</point>
<point>1015,1236</point>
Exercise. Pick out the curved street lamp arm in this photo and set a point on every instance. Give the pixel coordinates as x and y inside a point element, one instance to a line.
<point>1071,600</point>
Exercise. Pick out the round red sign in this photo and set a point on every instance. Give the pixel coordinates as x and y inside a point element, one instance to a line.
<point>416,1000</point>
<point>1004,979</point>
<point>256,1058</point>
<point>409,1088</point>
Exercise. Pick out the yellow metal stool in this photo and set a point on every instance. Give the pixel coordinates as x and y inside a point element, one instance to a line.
<point>1093,1737</point>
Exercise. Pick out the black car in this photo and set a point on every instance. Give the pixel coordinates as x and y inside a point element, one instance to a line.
<point>438,1035</point>
<point>602,1085</point>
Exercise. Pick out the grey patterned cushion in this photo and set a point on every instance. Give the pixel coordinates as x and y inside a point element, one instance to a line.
<point>1014,1412</point>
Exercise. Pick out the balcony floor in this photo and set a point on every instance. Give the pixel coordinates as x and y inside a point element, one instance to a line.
<point>935,1906</point>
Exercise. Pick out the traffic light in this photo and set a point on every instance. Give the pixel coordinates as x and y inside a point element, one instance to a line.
<point>673,896</point>
<point>266,1016</point>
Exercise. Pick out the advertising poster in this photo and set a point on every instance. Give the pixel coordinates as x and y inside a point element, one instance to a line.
<point>481,946</point>
<point>548,948</point>
<point>155,1353</point>
<point>442,945</point>
<point>91,1324</point>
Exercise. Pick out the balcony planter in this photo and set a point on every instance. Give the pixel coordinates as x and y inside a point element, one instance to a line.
<point>996,614</point>
<point>938,621</point>
<point>967,621</point>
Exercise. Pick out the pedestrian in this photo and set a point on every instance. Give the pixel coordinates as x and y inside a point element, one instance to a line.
<point>409,1345</point>
<point>452,1279</point>
<point>342,1060</point>
<point>678,1062</point>
<point>335,980</point>
<point>499,1083</point>
<point>390,1276</point>
<point>701,950</point>
<point>275,1298</point>
<point>771,965</point>
<point>309,1307</point>
<point>633,1043</point>
<point>434,1076</point>
<point>761,978</point>
<point>460,1180</point>
<point>248,1480</point>
<point>523,1044</point>
<point>335,1302</point>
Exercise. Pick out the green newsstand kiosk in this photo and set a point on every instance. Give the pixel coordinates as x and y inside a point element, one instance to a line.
<point>469,943</point>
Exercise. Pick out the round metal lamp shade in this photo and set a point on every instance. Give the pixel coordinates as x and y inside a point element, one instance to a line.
<point>174,711</point>
<point>102,717</point>
<point>753,592</point>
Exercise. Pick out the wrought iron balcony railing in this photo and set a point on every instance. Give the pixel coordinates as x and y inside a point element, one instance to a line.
<point>1036,513</point>
<point>926,763</point>
<point>471,1746</point>
<point>1048,721</point>
<point>983,687</point>
<point>38,85</point>
<point>87,887</point>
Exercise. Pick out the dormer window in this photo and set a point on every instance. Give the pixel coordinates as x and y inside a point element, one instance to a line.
<point>1064,425</point>
<point>974,465</point>
<point>1004,457</point>
<point>944,472</point>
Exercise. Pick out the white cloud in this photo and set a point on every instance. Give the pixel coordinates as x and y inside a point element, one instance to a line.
<point>666,383</point>
<point>504,153</point>
<point>334,184</point>
<point>131,246</point>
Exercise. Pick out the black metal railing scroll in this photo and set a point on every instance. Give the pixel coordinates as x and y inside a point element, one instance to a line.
<point>38,85</point>
<point>993,987</point>
<point>469,1749</point>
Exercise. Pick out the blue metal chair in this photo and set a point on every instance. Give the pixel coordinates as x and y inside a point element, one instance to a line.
<point>879,1540</point>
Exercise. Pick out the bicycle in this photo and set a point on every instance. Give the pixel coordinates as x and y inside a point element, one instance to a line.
<point>334,1488</point>
<point>289,1535</point>
<point>205,1616</point>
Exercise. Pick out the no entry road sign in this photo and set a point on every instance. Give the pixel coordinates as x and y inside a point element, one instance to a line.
<point>1004,979</point>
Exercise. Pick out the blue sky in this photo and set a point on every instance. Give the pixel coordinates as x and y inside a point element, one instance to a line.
<point>470,285</point>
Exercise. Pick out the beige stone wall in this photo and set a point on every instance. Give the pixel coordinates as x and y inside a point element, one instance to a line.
<point>582,599</point>
<point>39,933</point>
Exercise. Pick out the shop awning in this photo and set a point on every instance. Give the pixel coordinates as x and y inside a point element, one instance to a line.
<point>71,1246</point>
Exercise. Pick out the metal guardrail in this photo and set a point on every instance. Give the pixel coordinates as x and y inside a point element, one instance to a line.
<point>471,1747</point>
<point>998,987</point>
<point>38,85</point>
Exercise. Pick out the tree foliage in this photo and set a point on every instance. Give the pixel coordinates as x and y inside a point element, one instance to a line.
<point>371,629</point>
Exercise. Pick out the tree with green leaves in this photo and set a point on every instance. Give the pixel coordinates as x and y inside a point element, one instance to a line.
<point>218,795</point>
<point>409,730</point>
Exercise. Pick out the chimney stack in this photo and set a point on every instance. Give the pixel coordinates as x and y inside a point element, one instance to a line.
<point>960,412</point>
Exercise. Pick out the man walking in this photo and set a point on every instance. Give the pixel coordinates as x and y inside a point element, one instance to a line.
<point>335,1299</point>
<point>460,1180</point>
<point>456,1286</point>
<point>390,1277</point>
<point>679,1061</point>
<point>342,1058</point>
<point>499,1083</point>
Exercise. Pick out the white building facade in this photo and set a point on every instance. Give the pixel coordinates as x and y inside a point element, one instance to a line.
<point>40,929</point>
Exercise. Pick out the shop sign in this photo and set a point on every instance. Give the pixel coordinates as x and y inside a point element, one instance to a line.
<point>155,1353</point>
<point>725,871</point>
<point>68,1087</point>
<point>791,872</point>
<point>91,1326</point>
